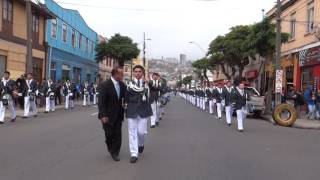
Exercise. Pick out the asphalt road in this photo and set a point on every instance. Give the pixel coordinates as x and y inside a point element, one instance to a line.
<point>189,145</point>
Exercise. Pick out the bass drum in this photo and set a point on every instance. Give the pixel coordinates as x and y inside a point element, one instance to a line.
<point>285,115</point>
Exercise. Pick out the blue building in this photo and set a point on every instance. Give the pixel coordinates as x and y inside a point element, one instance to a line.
<point>71,45</point>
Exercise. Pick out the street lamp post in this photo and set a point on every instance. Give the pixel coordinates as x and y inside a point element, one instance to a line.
<point>201,48</point>
<point>144,48</point>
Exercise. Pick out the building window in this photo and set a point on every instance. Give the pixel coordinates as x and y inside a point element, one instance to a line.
<point>73,38</point>
<point>35,23</point>
<point>3,64</point>
<point>87,44</point>
<point>92,47</point>
<point>310,17</point>
<point>54,28</point>
<point>293,26</point>
<point>64,32</point>
<point>7,12</point>
<point>80,40</point>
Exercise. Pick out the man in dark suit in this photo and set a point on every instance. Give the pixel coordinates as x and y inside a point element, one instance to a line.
<point>48,89</point>
<point>227,94</point>
<point>111,112</point>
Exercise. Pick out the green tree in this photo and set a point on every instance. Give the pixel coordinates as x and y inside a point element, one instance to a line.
<point>231,51</point>
<point>120,48</point>
<point>187,80</point>
<point>202,65</point>
<point>262,41</point>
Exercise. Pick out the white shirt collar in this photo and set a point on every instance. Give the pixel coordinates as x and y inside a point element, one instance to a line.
<point>113,80</point>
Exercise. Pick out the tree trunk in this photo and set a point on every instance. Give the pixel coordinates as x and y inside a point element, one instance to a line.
<point>269,94</point>
<point>224,71</point>
<point>241,69</point>
<point>205,74</point>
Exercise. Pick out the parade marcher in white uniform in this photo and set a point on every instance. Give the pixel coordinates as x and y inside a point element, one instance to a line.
<point>48,90</point>
<point>227,96</point>
<point>155,87</point>
<point>95,93</point>
<point>218,96</point>
<point>7,87</point>
<point>137,113</point>
<point>213,100</point>
<point>240,98</point>
<point>29,94</point>
<point>69,91</point>
<point>86,94</point>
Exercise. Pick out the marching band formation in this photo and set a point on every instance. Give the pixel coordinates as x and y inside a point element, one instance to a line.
<point>220,97</point>
<point>26,92</point>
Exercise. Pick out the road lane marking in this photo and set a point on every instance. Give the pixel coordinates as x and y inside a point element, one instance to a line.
<point>93,114</point>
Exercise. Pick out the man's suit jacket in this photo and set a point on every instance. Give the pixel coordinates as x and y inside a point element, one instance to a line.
<point>227,96</point>
<point>109,104</point>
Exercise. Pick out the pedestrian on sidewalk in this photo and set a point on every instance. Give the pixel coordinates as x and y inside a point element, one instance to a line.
<point>310,99</point>
<point>297,98</point>
<point>111,111</point>
<point>57,92</point>
<point>318,104</point>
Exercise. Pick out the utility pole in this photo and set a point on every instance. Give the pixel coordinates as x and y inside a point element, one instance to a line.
<point>278,55</point>
<point>144,50</point>
<point>29,37</point>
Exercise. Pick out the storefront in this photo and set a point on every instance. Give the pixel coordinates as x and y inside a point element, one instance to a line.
<point>309,67</point>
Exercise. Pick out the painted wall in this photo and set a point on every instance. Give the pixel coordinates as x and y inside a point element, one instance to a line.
<point>73,20</point>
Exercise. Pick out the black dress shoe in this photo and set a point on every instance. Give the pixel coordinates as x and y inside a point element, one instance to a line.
<point>115,157</point>
<point>153,126</point>
<point>13,120</point>
<point>46,112</point>
<point>229,125</point>
<point>141,148</point>
<point>133,160</point>
<point>35,116</point>
<point>24,117</point>
<point>157,123</point>
<point>1,122</point>
<point>241,130</point>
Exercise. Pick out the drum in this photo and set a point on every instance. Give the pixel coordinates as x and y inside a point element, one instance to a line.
<point>5,99</point>
<point>51,95</point>
<point>32,96</point>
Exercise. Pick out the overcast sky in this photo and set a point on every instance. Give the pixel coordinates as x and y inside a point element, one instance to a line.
<point>171,24</point>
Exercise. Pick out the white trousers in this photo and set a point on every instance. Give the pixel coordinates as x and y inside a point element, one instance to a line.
<point>50,105</point>
<point>68,102</point>
<point>154,117</point>
<point>204,104</point>
<point>137,128</point>
<point>29,104</point>
<point>86,100</point>
<point>211,106</point>
<point>219,110</point>
<point>241,116</point>
<point>3,110</point>
<point>229,114</point>
<point>198,102</point>
<point>94,99</point>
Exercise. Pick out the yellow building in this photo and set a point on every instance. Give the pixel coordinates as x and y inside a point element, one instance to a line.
<point>13,35</point>
<point>300,56</point>
<point>129,65</point>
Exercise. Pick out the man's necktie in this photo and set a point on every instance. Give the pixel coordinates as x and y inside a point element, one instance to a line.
<point>118,89</point>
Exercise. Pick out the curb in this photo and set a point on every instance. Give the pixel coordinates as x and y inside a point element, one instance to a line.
<point>296,125</point>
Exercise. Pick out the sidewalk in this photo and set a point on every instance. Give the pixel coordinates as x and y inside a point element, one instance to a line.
<point>40,110</point>
<point>302,123</point>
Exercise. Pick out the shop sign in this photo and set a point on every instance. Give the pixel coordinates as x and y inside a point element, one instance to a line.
<point>310,56</point>
<point>279,77</point>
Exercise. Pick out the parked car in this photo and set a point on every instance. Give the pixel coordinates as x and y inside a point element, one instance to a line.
<point>256,104</point>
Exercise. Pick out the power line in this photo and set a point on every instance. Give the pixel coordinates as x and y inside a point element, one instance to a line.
<point>107,7</point>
